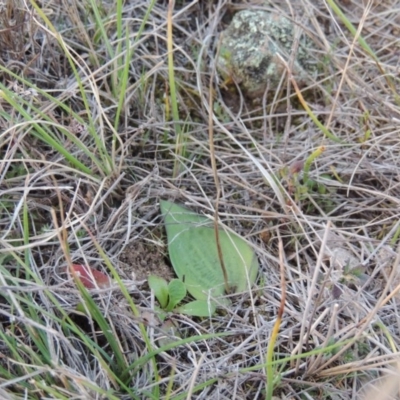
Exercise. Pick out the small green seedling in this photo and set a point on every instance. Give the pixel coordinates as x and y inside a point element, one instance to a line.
<point>169,295</point>
<point>301,186</point>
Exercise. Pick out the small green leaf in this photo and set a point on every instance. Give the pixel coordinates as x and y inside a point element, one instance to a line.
<point>81,308</point>
<point>194,255</point>
<point>160,289</point>
<point>197,308</point>
<point>177,292</point>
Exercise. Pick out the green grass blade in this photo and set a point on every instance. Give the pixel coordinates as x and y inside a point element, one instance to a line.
<point>130,50</point>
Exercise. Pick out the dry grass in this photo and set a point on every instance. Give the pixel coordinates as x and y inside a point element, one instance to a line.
<point>87,152</point>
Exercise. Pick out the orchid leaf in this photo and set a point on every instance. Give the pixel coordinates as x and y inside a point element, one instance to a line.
<point>194,256</point>
<point>197,308</point>
<point>177,292</point>
<point>160,288</point>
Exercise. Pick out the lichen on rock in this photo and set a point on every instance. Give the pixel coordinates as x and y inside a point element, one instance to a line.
<point>249,51</point>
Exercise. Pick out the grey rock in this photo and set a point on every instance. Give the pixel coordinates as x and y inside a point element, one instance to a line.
<point>249,51</point>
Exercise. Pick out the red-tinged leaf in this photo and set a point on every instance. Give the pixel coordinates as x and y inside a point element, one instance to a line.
<point>90,277</point>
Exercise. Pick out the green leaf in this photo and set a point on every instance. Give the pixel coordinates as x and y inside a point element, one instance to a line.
<point>160,289</point>
<point>177,292</point>
<point>194,255</point>
<point>197,308</point>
